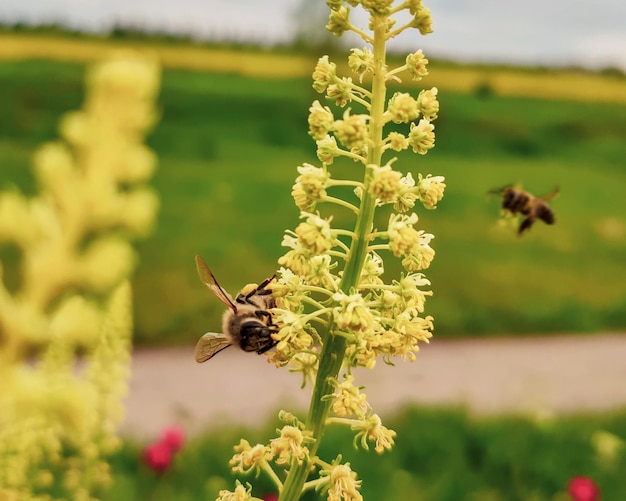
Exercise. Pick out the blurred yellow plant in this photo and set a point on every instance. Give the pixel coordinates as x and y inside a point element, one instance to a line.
<point>65,305</point>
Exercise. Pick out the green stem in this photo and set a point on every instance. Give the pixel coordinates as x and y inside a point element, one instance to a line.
<point>333,350</point>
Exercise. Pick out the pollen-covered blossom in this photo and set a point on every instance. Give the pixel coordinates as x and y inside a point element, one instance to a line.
<point>327,149</point>
<point>292,334</point>
<point>407,195</point>
<point>422,136</point>
<point>323,74</point>
<point>248,458</point>
<point>412,330</point>
<point>339,21</point>
<point>361,61</point>
<point>413,296</point>
<point>348,400</point>
<point>352,312</point>
<point>422,19</point>
<point>431,190</point>
<point>310,186</point>
<point>320,274</point>
<point>420,256</point>
<point>240,493</point>
<point>286,289</point>
<point>385,184</point>
<point>289,446</point>
<point>402,236</point>
<point>315,234</point>
<point>352,130</point>
<point>397,141</point>
<point>320,120</point>
<point>373,268</point>
<point>402,108</point>
<point>371,429</point>
<point>416,65</point>
<point>343,485</point>
<point>296,259</point>
<point>340,91</point>
<point>428,104</point>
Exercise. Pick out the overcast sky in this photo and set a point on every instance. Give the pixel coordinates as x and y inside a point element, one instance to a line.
<point>541,32</point>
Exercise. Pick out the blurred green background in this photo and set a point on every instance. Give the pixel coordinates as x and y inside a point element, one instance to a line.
<point>228,147</point>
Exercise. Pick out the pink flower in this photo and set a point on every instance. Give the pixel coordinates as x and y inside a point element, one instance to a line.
<point>270,497</point>
<point>158,456</point>
<point>174,437</point>
<point>583,489</point>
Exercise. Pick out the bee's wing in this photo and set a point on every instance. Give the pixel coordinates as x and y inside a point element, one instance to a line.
<point>210,345</point>
<point>209,280</point>
<point>549,196</point>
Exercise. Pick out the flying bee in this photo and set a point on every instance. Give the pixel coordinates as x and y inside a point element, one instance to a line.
<point>517,201</point>
<point>247,321</point>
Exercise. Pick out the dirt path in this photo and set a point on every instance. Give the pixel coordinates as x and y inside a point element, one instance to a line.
<point>532,375</point>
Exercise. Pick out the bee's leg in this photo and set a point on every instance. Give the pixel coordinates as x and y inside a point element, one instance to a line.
<point>264,314</point>
<point>525,225</point>
<point>267,347</point>
<point>261,289</point>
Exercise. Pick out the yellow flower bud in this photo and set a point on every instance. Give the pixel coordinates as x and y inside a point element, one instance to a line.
<point>422,137</point>
<point>314,234</point>
<point>385,185</point>
<point>289,446</point>
<point>402,108</point>
<point>416,65</point>
<point>323,74</point>
<point>320,120</point>
<point>352,131</point>
<point>428,104</point>
<point>352,313</point>
<point>431,190</point>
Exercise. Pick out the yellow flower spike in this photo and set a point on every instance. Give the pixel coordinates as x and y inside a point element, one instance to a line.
<point>87,186</point>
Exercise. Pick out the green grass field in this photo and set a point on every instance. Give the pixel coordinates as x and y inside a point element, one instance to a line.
<point>229,146</point>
